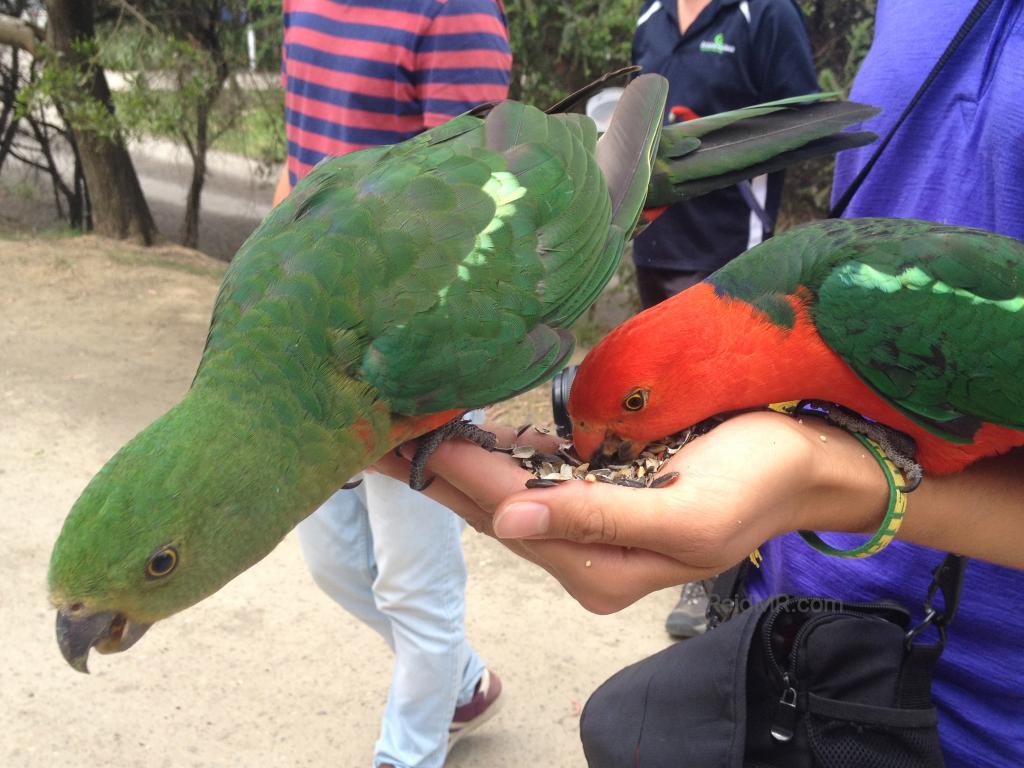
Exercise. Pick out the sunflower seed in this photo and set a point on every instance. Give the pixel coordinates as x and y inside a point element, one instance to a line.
<point>662,480</point>
<point>568,457</point>
<point>551,469</point>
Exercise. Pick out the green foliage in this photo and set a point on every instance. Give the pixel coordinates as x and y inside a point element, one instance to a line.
<point>857,40</point>
<point>258,133</point>
<point>264,18</point>
<point>841,33</point>
<point>174,81</point>
<point>560,46</point>
<point>169,81</point>
<point>68,88</point>
<point>557,46</point>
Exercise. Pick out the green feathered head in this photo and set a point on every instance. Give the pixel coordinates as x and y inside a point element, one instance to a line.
<point>183,508</point>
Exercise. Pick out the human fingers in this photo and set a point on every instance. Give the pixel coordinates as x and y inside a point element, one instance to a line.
<point>442,491</point>
<point>605,578</point>
<point>750,479</point>
<point>663,520</point>
<point>467,478</point>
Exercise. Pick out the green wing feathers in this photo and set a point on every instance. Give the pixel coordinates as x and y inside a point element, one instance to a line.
<point>699,156</point>
<point>533,268</point>
<point>440,273</point>
<point>626,151</point>
<point>931,317</point>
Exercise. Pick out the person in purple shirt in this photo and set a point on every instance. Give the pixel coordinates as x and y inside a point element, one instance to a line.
<point>959,158</point>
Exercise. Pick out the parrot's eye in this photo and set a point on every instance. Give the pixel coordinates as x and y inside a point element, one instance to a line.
<point>161,563</point>
<point>635,400</point>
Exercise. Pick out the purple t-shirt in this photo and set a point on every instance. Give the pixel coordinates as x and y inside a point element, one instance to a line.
<point>958,159</point>
<point>959,156</point>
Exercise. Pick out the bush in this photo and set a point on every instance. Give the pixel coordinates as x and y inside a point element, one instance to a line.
<point>560,46</point>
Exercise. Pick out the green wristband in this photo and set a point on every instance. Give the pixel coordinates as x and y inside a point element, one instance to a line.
<point>893,515</point>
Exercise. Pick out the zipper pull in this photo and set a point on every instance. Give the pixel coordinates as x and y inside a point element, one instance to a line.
<point>785,712</point>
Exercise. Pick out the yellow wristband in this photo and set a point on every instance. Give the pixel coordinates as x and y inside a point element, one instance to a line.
<point>893,515</point>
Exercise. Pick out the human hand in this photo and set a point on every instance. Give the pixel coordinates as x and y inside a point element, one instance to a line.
<point>752,478</point>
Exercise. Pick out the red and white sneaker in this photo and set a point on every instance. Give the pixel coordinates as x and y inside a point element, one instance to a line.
<point>482,707</point>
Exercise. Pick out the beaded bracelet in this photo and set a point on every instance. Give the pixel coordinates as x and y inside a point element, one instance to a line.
<point>893,515</point>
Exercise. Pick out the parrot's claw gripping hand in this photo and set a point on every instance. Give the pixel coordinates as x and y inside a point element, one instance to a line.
<point>898,446</point>
<point>430,441</point>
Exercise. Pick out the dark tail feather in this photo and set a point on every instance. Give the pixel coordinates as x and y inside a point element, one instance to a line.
<point>571,101</point>
<point>830,145</point>
<point>745,147</point>
<point>625,152</point>
<point>576,97</point>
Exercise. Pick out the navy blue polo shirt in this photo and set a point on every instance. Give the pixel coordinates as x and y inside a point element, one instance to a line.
<point>735,53</point>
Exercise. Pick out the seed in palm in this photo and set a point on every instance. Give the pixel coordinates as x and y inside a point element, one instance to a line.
<point>552,469</point>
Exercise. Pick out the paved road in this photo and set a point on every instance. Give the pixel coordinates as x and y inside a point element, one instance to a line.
<point>236,195</point>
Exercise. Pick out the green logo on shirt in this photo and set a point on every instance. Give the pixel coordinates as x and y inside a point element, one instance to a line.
<point>718,45</point>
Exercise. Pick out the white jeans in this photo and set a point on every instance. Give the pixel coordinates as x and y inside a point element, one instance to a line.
<point>393,559</point>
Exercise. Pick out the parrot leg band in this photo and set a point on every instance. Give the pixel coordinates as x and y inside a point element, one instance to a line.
<point>893,515</point>
<point>430,442</point>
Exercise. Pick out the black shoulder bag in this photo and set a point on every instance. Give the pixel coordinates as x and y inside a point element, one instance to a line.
<point>794,681</point>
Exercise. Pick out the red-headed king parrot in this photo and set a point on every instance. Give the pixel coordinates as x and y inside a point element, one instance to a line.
<point>912,324</point>
<point>393,290</point>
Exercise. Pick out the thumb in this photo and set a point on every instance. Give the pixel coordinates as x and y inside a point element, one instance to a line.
<point>656,519</point>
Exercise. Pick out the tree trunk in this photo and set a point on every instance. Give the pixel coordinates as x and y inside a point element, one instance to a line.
<point>8,92</point>
<point>190,226</point>
<point>204,30</point>
<point>119,208</point>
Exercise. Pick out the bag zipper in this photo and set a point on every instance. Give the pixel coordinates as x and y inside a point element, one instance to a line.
<point>783,726</point>
<point>784,722</point>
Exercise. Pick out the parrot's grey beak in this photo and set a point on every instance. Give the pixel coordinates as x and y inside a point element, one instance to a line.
<point>615,450</point>
<point>107,632</point>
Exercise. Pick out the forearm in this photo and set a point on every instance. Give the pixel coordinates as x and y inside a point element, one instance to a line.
<point>978,512</point>
<point>284,186</point>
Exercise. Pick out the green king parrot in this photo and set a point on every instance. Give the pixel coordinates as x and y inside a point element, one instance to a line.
<point>915,325</point>
<point>393,290</point>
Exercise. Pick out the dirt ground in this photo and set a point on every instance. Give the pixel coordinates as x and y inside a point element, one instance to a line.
<point>96,340</point>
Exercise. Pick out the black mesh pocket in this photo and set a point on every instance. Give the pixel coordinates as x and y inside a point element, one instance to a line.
<point>846,736</point>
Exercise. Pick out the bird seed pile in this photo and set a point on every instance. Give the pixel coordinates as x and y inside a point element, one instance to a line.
<point>551,469</point>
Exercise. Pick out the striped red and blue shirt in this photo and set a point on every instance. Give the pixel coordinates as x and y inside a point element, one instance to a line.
<point>370,72</point>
